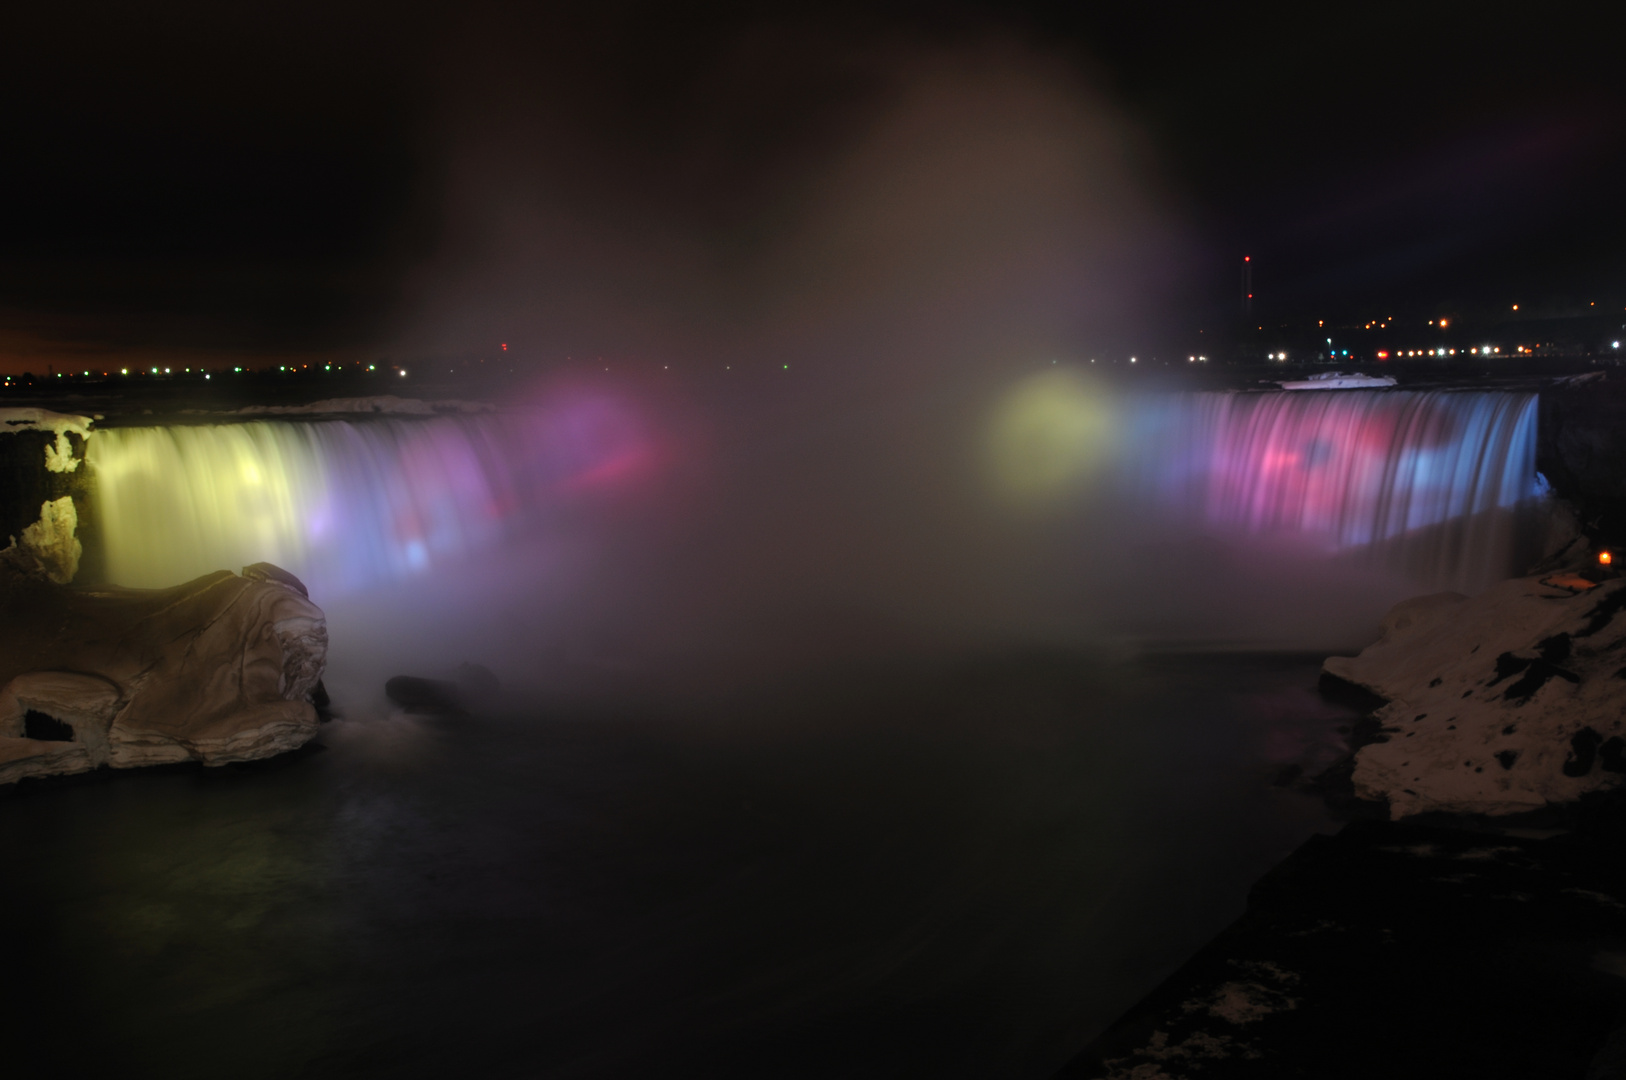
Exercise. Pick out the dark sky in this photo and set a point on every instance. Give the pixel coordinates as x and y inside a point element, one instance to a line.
<point>263,180</point>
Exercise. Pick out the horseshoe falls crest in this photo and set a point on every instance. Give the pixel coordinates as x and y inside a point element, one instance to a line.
<point>1438,484</point>
<point>1433,490</point>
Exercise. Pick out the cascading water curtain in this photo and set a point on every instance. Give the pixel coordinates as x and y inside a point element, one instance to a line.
<point>1432,482</point>
<point>349,504</point>
<point>342,504</point>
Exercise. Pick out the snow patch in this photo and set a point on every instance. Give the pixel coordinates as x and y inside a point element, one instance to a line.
<point>1246,1000</point>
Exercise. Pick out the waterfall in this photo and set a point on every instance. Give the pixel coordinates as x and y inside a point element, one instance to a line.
<point>346,504</point>
<point>349,504</point>
<point>1435,486</point>
<point>1431,482</point>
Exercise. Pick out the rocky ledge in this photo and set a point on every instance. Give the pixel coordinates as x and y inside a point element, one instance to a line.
<point>1502,703</point>
<point>219,670</point>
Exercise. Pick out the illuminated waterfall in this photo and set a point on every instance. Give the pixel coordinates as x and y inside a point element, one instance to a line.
<point>344,503</point>
<point>349,504</point>
<point>1432,482</point>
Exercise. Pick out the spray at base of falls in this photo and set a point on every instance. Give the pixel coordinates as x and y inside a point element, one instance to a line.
<point>1299,492</point>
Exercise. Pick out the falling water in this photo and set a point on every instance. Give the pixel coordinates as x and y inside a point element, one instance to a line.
<point>348,504</point>
<point>1433,483</point>
<point>1431,488</point>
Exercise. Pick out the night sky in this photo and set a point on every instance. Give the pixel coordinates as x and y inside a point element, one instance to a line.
<point>259,181</point>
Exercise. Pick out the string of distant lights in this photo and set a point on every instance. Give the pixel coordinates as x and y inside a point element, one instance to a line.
<point>1275,356</point>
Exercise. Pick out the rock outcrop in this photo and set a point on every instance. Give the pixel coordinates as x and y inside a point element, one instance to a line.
<point>218,670</point>
<point>40,477</point>
<point>1501,703</point>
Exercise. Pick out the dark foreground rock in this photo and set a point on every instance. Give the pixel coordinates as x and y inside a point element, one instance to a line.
<point>431,697</point>
<point>1399,950</point>
<point>218,670</point>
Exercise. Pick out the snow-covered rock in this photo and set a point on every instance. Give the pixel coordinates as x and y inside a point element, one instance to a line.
<point>48,548</point>
<point>1500,703</point>
<point>59,456</point>
<point>45,547</point>
<point>218,670</point>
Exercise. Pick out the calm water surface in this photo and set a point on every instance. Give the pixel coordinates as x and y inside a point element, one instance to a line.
<point>946,869</point>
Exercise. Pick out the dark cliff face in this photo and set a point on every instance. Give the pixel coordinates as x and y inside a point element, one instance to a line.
<point>1582,452</point>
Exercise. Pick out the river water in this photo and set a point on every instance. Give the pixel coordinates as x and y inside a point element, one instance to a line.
<point>933,868</point>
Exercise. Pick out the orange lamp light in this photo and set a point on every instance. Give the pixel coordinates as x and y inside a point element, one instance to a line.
<point>1604,558</point>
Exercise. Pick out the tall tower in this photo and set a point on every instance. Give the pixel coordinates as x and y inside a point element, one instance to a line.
<point>1247,288</point>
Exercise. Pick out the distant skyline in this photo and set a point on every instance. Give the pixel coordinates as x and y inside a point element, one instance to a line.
<point>274,182</point>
